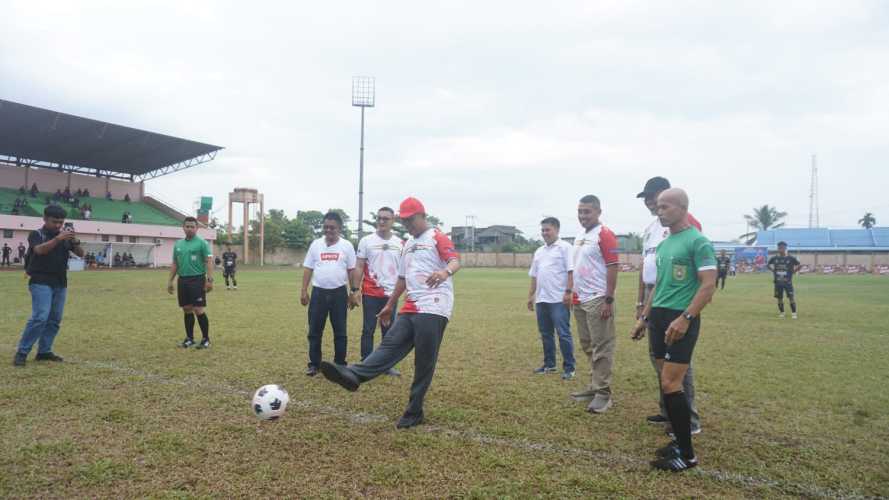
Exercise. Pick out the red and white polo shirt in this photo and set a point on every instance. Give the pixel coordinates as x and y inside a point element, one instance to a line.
<point>382,258</point>
<point>422,256</point>
<point>594,251</point>
<point>330,264</point>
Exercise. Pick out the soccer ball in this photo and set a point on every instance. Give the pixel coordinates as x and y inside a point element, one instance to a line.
<point>270,401</point>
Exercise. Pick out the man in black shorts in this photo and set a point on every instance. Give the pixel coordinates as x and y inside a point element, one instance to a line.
<point>229,262</point>
<point>723,264</point>
<point>193,262</point>
<point>686,281</point>
<point>783,268</point>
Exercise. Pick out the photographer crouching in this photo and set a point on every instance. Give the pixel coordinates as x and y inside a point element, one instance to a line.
<point>47,264</point>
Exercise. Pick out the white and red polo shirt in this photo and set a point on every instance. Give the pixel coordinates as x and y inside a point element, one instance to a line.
<point>594,251</point>
<point>381,260</point>
<point>330,264</point>
<point>422,256</point>
<point>653,235</point>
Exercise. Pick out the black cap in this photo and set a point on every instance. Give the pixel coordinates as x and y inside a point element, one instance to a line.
<point>782,243</point>
<point>654,185</point>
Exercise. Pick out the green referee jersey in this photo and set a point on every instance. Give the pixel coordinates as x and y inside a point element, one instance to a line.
<point>191,256</point>
<point>679,258</point>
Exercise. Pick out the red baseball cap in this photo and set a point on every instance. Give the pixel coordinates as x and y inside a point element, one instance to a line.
<point>410,206</point>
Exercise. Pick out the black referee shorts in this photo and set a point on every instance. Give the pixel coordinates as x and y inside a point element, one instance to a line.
<point>191,291</point>
<point>228,272</point>
<point>679,352</point>
<point>783,287</point>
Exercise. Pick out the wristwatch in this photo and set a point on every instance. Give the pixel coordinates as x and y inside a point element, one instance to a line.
<point>569,290</point>
<point>687,315</point>
<point>209,280</point>
<point>354,289</point>
<point>448,270</point>
<point>609,300</point>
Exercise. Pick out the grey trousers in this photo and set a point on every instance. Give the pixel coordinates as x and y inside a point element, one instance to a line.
<point>688,383</point>
<point>421,332</point>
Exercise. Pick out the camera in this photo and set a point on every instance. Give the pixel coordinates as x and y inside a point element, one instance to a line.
<point>68,226</point>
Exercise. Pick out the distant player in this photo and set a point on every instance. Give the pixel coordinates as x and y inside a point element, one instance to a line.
<point>193,263</point>
<point>783,267</point>
<point>723,264</point>
<point>229,262</point>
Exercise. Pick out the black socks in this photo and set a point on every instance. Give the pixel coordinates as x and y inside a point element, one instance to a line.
<point>793,307</point>
<point>205,325</point>
<point>189,325</point>
<point>781,306</point>
<point>680,418</point>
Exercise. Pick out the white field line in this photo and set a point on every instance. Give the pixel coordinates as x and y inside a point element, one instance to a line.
<point>605,458</point>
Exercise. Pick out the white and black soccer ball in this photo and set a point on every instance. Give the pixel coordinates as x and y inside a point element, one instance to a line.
<point>270,401</point>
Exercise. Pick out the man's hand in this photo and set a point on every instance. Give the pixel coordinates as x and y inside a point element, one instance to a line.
<point>65,236</point>
<point>639,309</point>
<point>437,278</point>
<point>170,287</point>
<point>385,315</point>
<point>208,286</point>
<point>607,311</point>
<point>530,303</point>
<point>568,299</point>
<point>638,330</point>
<point>676,330</point>
<point>354,300</point>
<point>304,298</point>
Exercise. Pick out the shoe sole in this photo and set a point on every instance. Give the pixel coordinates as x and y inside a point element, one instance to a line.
<point>402,427</point>
<point>331,373</point>
<point>582,399</point>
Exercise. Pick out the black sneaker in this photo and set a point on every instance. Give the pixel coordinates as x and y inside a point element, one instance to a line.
<point>657,419</point>
<point>669,451</point>
<point>675,464</point>
<point>543,370</point>
<point>407,421</point>
<point>48,356</point>
<point>186,343</point>
<point>340,374</point>
<point>205,344</point>
<point>311,371</point>
<point>19,359</point>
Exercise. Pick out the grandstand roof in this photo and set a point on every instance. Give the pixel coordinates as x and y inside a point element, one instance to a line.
<point>31,136</point>
<point>827,239</point>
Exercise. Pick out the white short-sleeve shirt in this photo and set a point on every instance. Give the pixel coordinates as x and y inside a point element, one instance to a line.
<point>551,266</point>
<point>382,259</point>
<point>330,264</point>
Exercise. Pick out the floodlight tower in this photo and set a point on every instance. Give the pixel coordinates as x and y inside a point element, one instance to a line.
<point>814,212</point>
<point>363,94</point>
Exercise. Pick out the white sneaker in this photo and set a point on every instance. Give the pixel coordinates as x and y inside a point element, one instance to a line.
<point>794,316</point>
<point>781,315</point>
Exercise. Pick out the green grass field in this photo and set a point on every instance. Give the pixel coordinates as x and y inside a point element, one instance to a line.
<point>789,408</point>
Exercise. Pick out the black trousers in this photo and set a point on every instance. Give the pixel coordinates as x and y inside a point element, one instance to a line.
<point>323,303</point>
<point>371,306</point>
<point>422,333</point>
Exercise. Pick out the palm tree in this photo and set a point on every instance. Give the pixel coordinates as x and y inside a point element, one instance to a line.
<point>763,219</point>
<point>868,221</point>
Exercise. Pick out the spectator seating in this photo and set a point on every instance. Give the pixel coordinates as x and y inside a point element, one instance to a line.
<point>103,210</point>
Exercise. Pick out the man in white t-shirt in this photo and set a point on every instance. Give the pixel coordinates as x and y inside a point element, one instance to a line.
<point>379,255</point>
<point>652,236</point>
<point>552,283</point>
<point>595,279</point>
<point>328,267</point>
<point>427,265</point>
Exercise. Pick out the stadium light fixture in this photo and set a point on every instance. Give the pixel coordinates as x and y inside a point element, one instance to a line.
<point>363,96</point>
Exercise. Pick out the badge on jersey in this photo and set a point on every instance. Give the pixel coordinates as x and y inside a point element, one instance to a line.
<point>680,271</point>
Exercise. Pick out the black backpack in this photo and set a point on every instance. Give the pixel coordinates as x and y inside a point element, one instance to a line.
<point>30,252</point>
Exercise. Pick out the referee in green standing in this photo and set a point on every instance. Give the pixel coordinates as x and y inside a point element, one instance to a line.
<point>686,281</point>
<point>193,262</point>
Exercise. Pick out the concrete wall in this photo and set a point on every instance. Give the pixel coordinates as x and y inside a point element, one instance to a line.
<point>92,232</point>
<point>280,257</point>
<point>48,180</point>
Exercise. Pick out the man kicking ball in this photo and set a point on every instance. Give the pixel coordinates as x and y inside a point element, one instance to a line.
<point>427,265</point>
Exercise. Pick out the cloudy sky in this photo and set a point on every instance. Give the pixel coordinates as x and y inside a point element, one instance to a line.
<point>504,110</point>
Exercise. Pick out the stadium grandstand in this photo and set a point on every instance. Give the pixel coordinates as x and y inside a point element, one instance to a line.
<point>823,250</point>
<point>96,171</point>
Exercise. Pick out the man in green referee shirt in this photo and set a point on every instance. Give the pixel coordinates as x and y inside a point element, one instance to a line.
<point>686,281</point>
<point>193,262</point>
